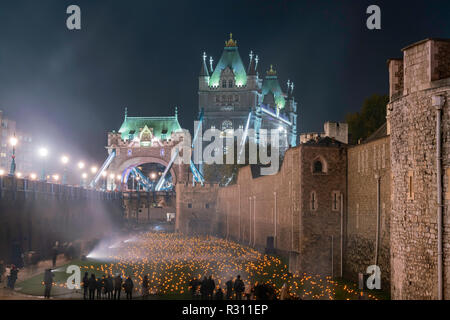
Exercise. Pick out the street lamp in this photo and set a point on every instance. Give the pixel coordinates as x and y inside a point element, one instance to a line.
<point>81,165</point>
<point>119,177</point>
<point>112,176</point>
<point>43,153</point>
<point>19,175</point>
<point>33,176</point>
<point>94,170</point>
<point>13,142</point>
<point>65,161</point>
<point>2,172</point>
<point>104,175</point>
<point>83,179</point>
<point>56,177</point>
<point>153,177</point>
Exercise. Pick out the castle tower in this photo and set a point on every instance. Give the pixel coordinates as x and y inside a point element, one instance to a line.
<point>419,125</point>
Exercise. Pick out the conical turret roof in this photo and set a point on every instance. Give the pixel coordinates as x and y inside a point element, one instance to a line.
<point>230,58</point>
<point>272,86</point>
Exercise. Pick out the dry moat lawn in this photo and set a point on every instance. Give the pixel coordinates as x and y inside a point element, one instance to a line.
<point>171,261</point>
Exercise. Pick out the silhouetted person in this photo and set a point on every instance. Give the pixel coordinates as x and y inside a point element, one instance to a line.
<point>285,294</point>
<point>204,288</point>
<point>98,288</point>
<point>128,286</point>
<point>12,278</point>
<point>219,294</point>
<point>248,291</point>
<point>85,285</point>
<point>145,287</point>
<point>92,285</point>
<point>55,250</point>
<point>239,287</point>
<point>117,287</point>
<point>211,287</point>
<point>104,289</point>
<point>229,292</point>
<point>48,282</point>
<point>109,287</point>
<point>70,251</point>
<point>193,284</point>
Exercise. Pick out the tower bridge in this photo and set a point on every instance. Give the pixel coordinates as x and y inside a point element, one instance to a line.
<point>143,142</point>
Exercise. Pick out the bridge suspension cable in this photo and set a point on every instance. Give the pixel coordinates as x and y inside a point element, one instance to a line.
<point>105,165</point>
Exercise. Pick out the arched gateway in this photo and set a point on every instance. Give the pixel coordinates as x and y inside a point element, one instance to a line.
<point>142,141</point>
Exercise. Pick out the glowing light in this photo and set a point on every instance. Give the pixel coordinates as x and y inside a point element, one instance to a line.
<point>33,176</point>
<point>2,172</point>
<point>64,159</point>
<point>81,165</point>
<point>43,152</point>
<point>56,177</point>
<point>104,174</point>
<point>84,175</point>
<point>119,177</point>
<point>94,169</point>
<point>153,175</point>
<point>13,141</point>
<point>18,174</point>
<point>112,175</point>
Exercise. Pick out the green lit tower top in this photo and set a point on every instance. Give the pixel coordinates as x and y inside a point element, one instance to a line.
<point>229,91</point>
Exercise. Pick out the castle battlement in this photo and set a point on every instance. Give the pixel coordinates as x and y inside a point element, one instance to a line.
<point>423,62</point>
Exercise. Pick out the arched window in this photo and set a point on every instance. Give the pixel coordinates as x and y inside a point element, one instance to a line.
<point>318,166</point>
<point>224,83</point>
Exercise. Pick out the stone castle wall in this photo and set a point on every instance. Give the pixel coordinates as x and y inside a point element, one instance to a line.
<point>278,206</point>
<point>366,164</point>
<point>412,121</point>
<point>195,209</point>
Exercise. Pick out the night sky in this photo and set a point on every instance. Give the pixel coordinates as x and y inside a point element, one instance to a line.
<point>69,88</point>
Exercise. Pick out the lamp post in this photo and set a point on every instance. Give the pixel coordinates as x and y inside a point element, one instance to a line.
<point>112,176</point>
<point>153,177</point>
<point>83,179</point>
<point>119,178</point>
<point>104,175</point>
<point>81,167</point>
<point>43,153</point>
<point>65,161</point>
<point>13,142</point>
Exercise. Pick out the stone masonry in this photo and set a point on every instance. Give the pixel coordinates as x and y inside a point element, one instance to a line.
<point>299,207</point>
<point>368,167</point>
<point>412,124</point>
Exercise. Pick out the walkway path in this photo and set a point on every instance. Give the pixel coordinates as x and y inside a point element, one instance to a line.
<point>27,273</point>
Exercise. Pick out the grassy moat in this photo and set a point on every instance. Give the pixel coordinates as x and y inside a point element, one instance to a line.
<point>172,260</point>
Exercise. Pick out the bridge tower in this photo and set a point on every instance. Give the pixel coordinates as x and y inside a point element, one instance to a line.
<point>140,141</point>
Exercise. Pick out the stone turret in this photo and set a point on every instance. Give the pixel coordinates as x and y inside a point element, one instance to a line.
<point>419,101</point>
